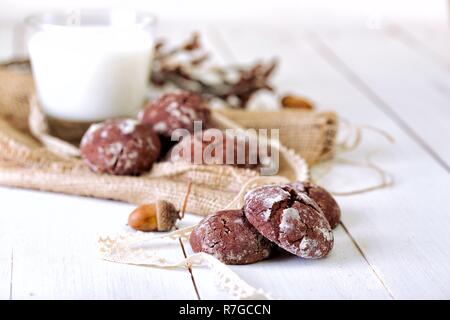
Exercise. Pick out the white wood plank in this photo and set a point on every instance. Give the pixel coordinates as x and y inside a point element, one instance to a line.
<point>387,224</point>
<point>176,33</point>
<point>342,275</point>
<point>288,277</point>
<point>431,40</point>
<point>411,88</point>
<point>401,230</point>
<point>352,272</point>
<point>55,251</point>
<point>5,256</point>
<point>204,279</point>
<point>328,278</point>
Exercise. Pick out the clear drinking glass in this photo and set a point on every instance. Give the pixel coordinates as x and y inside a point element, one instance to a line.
<point>91,65</point>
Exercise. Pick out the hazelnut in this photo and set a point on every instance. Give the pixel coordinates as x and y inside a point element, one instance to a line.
<point>159,216</point>
<point>296,102</point>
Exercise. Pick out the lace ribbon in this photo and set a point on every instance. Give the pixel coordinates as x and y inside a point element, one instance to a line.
<point>140,249</point>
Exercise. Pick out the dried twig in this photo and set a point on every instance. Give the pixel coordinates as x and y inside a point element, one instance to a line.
<point>185,66</point>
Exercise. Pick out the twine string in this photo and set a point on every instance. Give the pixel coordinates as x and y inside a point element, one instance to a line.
<point>350,143</point>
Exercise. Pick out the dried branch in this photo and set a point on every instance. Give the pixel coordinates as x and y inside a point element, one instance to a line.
<point>185,66</point>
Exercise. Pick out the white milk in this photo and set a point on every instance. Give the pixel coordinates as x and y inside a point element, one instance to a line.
<point>91,73</point>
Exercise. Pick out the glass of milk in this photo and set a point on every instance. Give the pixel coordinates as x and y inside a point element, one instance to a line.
<point>91,65</point>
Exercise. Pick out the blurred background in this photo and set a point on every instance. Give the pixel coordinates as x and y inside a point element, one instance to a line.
<point>306,13</point>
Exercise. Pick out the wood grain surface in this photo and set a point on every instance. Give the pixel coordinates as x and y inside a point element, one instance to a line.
<point>392,243</point>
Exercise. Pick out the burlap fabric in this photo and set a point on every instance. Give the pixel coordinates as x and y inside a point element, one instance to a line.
<point>27,162</point>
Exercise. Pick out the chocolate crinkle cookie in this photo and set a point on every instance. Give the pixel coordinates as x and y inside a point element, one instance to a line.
<point>323,198</point>
<point>229,237</point>
<point>120,147</point>
<point>214,146</point>
<point>291,219</point>
<point>175,110</point>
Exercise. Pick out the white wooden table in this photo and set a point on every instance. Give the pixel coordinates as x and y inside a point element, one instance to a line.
<point>393,243</point>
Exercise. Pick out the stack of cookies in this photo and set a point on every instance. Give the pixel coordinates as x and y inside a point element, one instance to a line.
<point>297,217</point>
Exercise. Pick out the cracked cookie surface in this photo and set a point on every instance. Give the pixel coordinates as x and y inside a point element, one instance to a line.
<point>229,237</point>
<point>211,146</point>
<point>291,219</point>
<point>323,198</point>
<point>175,110</point>
<point>120,147</point>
